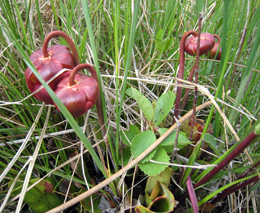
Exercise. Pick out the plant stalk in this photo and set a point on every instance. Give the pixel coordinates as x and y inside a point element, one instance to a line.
<point>67,38</point>
<point>196,77</point>
<point>237,186</point>
<point>238,149</point>
<point>193,197</point>
<point>181,71</point>
<point>234,152</point>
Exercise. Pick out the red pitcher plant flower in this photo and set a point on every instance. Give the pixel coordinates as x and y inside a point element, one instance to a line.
<point>79,92</point>
<point>48,62</point>
<point>215,52</point>
<point>207,42</point>
<point>189,45</point>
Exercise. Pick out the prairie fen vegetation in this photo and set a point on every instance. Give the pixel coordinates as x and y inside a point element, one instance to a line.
<point>162,127</point>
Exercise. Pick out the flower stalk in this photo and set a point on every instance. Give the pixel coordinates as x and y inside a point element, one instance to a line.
<point>181,71</point>
<point>70,42</point>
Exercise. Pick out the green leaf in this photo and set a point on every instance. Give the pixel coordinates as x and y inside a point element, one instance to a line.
<point>143,102</point>
<point>159,40</point>
<point>163,203</point>
<point>170,140</point>
<point>151,168</point>
<point>127,136</point>
<point>164,177</point>
<point>163,107</point>
<point>163,44</point>
<point>168,44</point>
<point>160,200</point>
<point>142,209</point>
<point>211,141</point>
<point>126,154</point>
<point>40,198</point>
<point>141,142</point>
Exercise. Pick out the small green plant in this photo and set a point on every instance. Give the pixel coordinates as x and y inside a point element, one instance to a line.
<point>158,198</point>
<point>41,197</point>
<point>136,141</point>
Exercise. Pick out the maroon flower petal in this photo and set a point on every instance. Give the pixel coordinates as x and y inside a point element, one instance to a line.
<point>207,42</point>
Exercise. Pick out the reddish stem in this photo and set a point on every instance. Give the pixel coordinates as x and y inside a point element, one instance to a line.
<point>80,67</point>
<point>98,102</point>
<point>239,148</point>
<point>217,37</point>
<point>67,38</point>
<point>237,186</point>
<point>193,197</point>
<point>234,153</point>
<point>187,90</point>
<point>181,70</point>
<point>196,78</point>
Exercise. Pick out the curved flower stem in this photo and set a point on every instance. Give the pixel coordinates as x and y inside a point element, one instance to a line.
<point>193,69</point>
<point>181,71</point>
<point>67,38</point>
<point>98,102</point>
<point>81,67</point>
<point>217,37</point>
<point>196,77</point>
<point>187,90</point>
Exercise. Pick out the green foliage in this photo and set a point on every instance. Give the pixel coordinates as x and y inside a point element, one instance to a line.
<point>211,141</point>
<point>161,44</point>
<point>141,142</point>
<point>170,140</point>
<point>163,107</point>
<point>164,177</point>
<point>40,198</point>
<point>151,168</point>
<point>144,103</point>
<point>159,200</point>
<point>128,136</point>
<point>155,113</point>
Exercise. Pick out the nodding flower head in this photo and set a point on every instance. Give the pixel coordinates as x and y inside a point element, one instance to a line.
<point>215,52</point>
<point>207,42</point>
<point>48,62</point>
<point>79,92</point>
